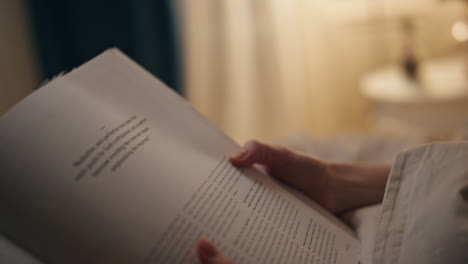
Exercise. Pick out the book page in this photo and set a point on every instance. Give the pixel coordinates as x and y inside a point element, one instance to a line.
<point>107,165</point>
<point>12,254</point>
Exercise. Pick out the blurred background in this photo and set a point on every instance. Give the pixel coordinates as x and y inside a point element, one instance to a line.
<point>267,69</point>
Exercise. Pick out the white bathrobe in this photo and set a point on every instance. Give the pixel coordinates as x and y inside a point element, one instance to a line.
<point>424,215</point>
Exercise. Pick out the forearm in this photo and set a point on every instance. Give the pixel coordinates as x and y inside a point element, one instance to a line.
<point>358,185</point>
<point>338,187</point>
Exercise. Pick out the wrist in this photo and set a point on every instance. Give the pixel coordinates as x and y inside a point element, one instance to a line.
<point>356,185</point>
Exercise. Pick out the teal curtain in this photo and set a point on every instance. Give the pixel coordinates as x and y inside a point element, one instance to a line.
<point>69,33</point>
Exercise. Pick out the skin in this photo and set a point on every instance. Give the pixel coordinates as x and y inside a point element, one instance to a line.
<point>338,187</point>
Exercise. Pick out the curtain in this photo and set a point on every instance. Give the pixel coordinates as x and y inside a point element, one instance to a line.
<point>69,33</point>
<point>271,68</point>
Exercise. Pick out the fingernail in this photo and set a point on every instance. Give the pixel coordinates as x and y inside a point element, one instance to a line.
<point>208,250</point>
<point>240,154</point>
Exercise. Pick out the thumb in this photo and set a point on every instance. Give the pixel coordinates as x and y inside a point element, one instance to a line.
<point>208,254</point>
<point>254,151</point>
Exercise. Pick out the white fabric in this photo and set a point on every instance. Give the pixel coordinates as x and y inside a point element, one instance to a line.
<point>424,217</point>
<point>364,221</point>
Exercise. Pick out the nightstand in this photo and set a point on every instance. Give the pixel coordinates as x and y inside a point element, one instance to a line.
<point>436,105</point>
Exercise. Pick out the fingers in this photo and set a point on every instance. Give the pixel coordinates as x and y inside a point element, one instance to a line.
<point>257,152</point>
<point>209,254</point>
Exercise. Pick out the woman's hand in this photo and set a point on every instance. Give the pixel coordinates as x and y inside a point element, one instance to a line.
<point>209,254</point>
<point>338,187</point>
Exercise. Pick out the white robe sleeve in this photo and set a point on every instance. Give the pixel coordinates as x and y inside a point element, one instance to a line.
<point>424,217</point>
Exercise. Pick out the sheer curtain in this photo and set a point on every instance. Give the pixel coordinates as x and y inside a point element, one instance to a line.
<point>271,68</point>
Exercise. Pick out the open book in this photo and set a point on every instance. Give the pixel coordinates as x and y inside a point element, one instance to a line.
<point>107,165</point>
